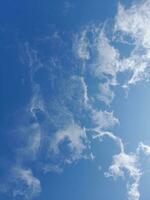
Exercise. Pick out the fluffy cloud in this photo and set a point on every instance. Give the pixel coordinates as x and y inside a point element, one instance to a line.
<point>103,119</point>
<point>124,161</point>
<point>133,24</point>
<point>127,163</point>
<point>76,137</point>
<point>98,53</point>
<point>134,21</point>
<point>123,164</point>
<point>143,148</point>
<point>101,55</point>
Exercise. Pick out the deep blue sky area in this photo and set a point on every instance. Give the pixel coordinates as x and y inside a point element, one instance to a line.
<point>74,99</point>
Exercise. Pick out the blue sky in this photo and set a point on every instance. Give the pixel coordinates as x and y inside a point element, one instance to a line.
<point>74,100</point>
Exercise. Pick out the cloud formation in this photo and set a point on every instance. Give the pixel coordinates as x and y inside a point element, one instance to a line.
<point>76,137</point>
<point>67,98</point>
<point>27,186</point>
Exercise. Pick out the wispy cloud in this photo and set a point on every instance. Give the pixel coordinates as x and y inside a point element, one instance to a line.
<point>27,186</point>
<point>52,168</point>
<point>123,165</point>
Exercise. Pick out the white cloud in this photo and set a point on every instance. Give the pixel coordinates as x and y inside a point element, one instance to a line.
<point>28,186</point>
<point>77,139</point>
<point>103,119</point>
<point>100,134</point>
<point>100,56</point>
<point>81,46</point>
<point>107,57</point>
<point>123,165</point>
<point>79,85</point>
<point>144,148</point>
<point>134,23</point>
<point>124,161</point>
<point>105,95</point>
<point>133,190</point>
<point>127,163</point>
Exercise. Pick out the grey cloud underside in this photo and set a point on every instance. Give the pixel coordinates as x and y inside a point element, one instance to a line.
<point>63,118</point>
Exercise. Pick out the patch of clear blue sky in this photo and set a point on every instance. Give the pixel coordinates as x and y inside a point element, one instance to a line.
<point>25,20</point>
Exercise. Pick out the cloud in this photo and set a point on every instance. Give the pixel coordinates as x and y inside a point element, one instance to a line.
<point>77,91</point>
<point>133,190</point>
<point>27,186</point>
<point>37,102</point>
<point>143,148</point>
<point>98,53</point>
<point>100,134</point>
<point>76,137</point>
<point>52,168</point>
<point>107,57</point>
<point>124,161</point>
<point>106,94</point>
<point>99,59</point>
<point>103,119</point>
<point>81,46</point>
<point>101,56</point>
<point>127,163</point>
<point>65,98</point>
<point>33,141</point>
<point>134,21</point>
<point>133,24</point>
<point>123,165</point>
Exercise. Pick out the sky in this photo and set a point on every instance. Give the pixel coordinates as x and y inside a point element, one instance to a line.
<point>74,103</point>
